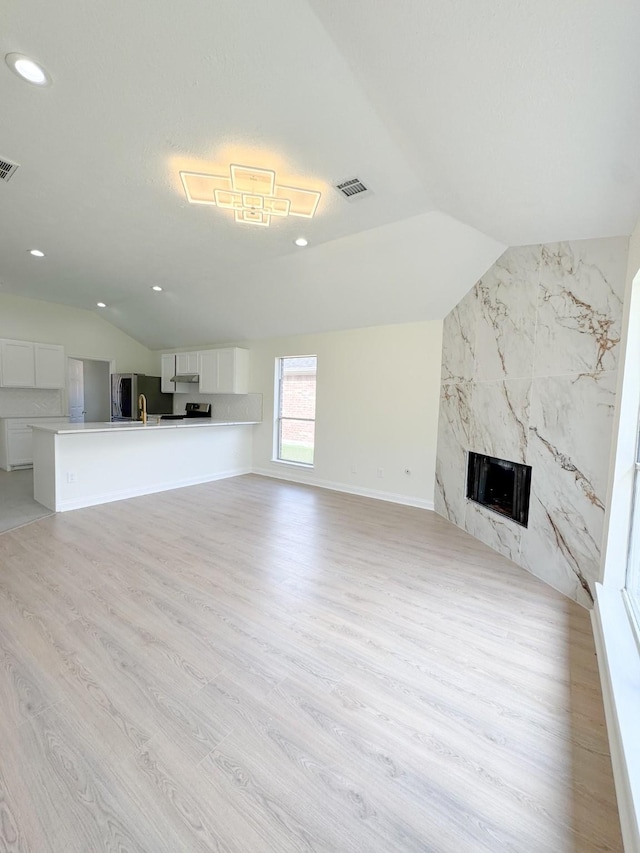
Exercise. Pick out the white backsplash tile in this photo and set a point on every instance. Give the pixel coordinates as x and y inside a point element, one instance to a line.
<point>235,407</point>
<point>35,402</point>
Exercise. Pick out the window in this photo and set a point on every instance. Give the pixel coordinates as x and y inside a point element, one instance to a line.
<point>633,566</point>
<point>296,408</point>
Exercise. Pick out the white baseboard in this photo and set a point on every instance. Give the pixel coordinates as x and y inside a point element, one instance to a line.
<point>293,475</point>
<point>123,494</point>
<point>620,708</point>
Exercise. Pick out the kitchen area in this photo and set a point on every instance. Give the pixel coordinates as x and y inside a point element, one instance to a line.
<point>188,425</point>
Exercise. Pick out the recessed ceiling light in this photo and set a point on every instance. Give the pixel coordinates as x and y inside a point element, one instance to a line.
<point>36,253</point>
<point>301,241</point>
<point>27,69</point>
<point>157,288</point>
<point>101,304</point>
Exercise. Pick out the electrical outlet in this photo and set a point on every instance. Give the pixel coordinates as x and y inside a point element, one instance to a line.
<point>354,469</point>
<point>380,473</point>
<point>71,476</point>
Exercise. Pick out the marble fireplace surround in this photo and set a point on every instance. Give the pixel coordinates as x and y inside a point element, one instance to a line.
<point>529,368</point>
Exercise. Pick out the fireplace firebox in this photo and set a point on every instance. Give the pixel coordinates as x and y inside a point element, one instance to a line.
<point>501,486</point>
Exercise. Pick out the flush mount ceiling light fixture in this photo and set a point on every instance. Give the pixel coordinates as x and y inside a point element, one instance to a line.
<point>36,253</point>
<point>252,194</point>
<point>27,69</point>
<point>157,288</point>
<point>101,304</point>
<point>301,241</point>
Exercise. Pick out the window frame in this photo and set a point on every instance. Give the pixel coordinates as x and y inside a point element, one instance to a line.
<point>631,591</point>
<point>279,418</point>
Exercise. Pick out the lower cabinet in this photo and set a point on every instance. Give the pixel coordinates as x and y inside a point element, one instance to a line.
<point>19,446</point>
<point>16,442</point>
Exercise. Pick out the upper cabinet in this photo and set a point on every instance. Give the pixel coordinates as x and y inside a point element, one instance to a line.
<point>18,364</point>
<point>167,372</point>
<point>221,371</point>
<point>24,364</point>
<point>187,362</point>
<point>224,371</point>
<point>50,366</point>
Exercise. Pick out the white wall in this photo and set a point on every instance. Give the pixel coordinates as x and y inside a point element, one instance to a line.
<point>82,333</point>
<point>377,407</point>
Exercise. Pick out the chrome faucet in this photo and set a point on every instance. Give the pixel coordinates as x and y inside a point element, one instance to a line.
<point>142,405</point>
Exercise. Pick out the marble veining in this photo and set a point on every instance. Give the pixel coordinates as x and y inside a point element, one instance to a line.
<point>494,530</point>
<point>536,341</point>
<point>459,340</point>
<point>506,319</point>
<point>580,306</point>
<point>569,457</point>
<point>500,418</point>
<point>455,428</point>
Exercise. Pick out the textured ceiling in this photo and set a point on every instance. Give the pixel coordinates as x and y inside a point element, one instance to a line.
<point>476,125</point>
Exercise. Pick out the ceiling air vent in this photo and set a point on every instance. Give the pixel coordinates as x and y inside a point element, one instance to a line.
<point>7,169</point>
<point>352,189</point>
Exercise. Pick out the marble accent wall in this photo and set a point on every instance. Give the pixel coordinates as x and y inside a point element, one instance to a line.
<point>529,365</point>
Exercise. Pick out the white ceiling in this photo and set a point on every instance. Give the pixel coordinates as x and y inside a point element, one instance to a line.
<point>477,125</point>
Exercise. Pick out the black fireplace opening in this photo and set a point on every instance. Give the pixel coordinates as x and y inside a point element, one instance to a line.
<point>500,485</point>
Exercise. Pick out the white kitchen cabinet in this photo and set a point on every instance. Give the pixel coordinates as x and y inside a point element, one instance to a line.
<point>224,371</point>
<point>186,362</point>
<point>19,449</point>
<point>50,366</point>
<point>25,364</point>
<point>167,372</point>
<point>173,363</point>
<point>18,364</point>
<point>16,440</point>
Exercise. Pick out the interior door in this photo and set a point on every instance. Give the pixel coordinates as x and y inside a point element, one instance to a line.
<point>75,375</point>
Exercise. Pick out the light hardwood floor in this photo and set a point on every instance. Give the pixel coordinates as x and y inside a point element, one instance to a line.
<point>17,506</point>
<point>252,665</point>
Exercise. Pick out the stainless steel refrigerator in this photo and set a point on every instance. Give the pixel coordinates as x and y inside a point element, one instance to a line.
<point>125,389</point>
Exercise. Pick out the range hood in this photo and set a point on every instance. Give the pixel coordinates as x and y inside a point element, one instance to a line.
<point>186,377</point>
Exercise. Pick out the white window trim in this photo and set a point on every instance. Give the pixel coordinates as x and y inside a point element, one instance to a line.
<point>613,616</point>
<point>619,664</point>
<point>309,466</point>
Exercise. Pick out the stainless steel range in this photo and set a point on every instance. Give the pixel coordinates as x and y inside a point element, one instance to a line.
<point>192,410</point>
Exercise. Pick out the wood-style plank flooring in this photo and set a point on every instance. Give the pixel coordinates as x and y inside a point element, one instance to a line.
<point>252,665</point>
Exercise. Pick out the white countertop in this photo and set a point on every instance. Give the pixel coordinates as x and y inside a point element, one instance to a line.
<point>127,426</point>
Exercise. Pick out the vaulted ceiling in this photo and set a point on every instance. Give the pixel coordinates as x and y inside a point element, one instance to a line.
<point>475,124</point>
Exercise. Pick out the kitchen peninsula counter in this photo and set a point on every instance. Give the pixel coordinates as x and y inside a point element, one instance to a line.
<point>79,465</point>
<point>120,426</point>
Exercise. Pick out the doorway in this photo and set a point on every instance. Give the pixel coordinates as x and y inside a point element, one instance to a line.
<point>89,390</point>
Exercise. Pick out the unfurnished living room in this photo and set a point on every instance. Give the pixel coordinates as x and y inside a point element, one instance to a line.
<point>319,396</point>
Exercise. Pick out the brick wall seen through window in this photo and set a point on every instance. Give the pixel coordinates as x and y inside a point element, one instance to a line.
<point>296,408</point>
